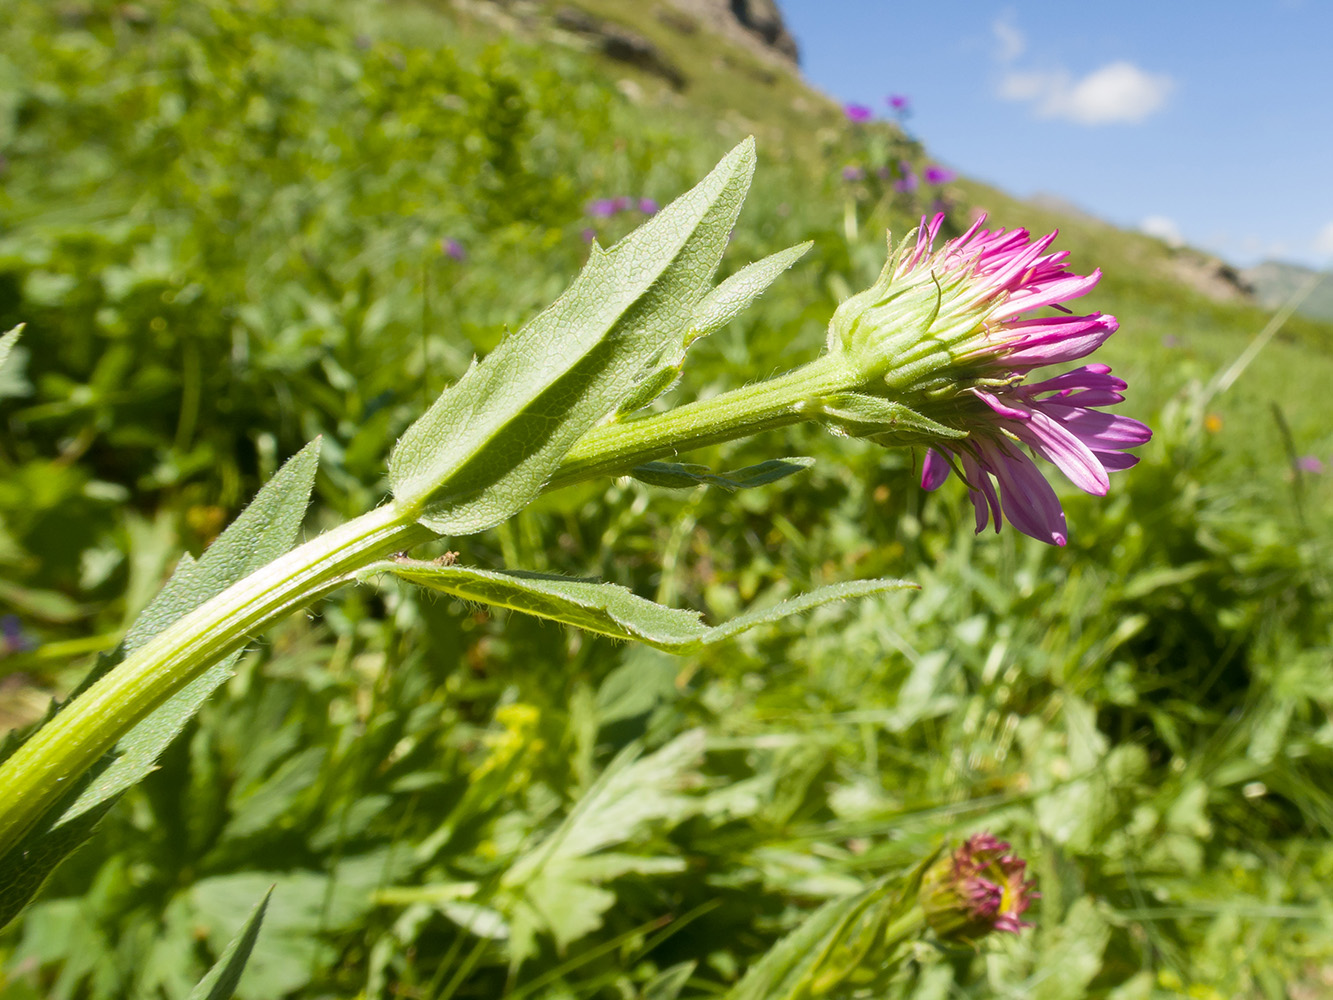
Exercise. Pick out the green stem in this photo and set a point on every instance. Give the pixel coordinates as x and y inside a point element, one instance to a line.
<point>39,773</point>
<point>615,449</point>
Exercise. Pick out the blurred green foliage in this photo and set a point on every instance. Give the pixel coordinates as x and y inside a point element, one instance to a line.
<point>228,227</point>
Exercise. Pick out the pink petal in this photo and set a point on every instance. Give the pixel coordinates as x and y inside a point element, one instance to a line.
<point>1029,502</point>
<point>934,470</point>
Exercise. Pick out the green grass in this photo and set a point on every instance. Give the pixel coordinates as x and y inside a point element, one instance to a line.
<point>223,226</point>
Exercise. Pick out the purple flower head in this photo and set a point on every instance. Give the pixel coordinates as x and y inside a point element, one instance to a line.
<point>452,248</point>
<point>1310,463</point>
<point>908,182</point>
<point>851,173</point>
<point>977,889</point>
<point>623,203</point>
<point>648,206</point>
<point>602,208</point>
<point>589,235</point>
<point>1004,277</point>
<point>858,113</point>
<point>935,174</point>
<point>898,102</point>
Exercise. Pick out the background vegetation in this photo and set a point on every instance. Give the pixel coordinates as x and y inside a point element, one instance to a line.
<point>231,227</point>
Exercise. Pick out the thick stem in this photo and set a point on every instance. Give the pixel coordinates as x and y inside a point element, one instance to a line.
<point>36,776</point>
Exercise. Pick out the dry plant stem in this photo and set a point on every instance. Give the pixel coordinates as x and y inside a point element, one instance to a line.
<point>38,774</point>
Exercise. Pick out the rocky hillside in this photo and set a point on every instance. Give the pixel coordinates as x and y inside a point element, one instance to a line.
<point>736,62</point>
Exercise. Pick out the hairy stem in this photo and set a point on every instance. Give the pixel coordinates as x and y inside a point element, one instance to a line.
<point>39,773</point>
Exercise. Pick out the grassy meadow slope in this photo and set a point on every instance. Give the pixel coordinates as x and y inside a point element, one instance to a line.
<point>231,227</point>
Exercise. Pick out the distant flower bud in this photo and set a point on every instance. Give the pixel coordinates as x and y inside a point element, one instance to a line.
<point>976,890</point>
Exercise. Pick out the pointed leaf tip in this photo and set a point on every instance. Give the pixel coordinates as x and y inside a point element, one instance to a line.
<point>221,981</point>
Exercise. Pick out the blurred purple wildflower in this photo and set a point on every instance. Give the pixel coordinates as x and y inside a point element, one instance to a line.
<point>1003,276</point>
<point>622,204</point>
<point>648,206</point>
<point>602,208</point>
<point>898,102</point>
<point>908,182</point>
<point>452,248</point>
<point>589,235</point>
<point>853,173</point>
<point>12,637</point>
<point>1310,463</point>
<point>935,174</point>
<point>858,113</point>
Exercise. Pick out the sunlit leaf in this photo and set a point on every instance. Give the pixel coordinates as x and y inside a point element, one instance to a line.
<point>488,444</point>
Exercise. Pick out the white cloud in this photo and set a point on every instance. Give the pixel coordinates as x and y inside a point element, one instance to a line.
<point>1323,241</point>
<point>1118,92</point>
<point>1009,41</point>
<point>1164,228</point>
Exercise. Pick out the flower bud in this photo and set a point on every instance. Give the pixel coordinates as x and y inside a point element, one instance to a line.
<point>976,889</point>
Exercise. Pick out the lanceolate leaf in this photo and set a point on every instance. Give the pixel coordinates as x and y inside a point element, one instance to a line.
<point>487,445</point>
<point>678,476</point>
<point>714,311</point>
<point>606,608</point>
<point>7,343</point>
<point>266,529</point>
<point>734,295</point>
<point>221,980</point>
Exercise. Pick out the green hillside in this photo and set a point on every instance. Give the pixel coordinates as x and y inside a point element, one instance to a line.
<point>231,228</point>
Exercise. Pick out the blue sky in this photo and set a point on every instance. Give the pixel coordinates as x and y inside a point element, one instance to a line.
<point>1208,122</point>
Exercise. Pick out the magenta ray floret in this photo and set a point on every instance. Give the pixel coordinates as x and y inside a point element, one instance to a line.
<point>1007,275</point>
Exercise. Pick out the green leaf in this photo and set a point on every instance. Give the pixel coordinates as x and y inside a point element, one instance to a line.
<point>266,529</point>
<point>220,982</point>
<point>848,590</point>
<point>607,608</point>
<point>487,445</point>
<point>7,343</point>
<point>734,295</point>
<point>863,415</point>
<point>719,307</point>
<point>553,887</point>
<point>856,941</point>
<point>681,476</point>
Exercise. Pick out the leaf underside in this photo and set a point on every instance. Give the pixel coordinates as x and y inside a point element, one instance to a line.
<point>607,608</point>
